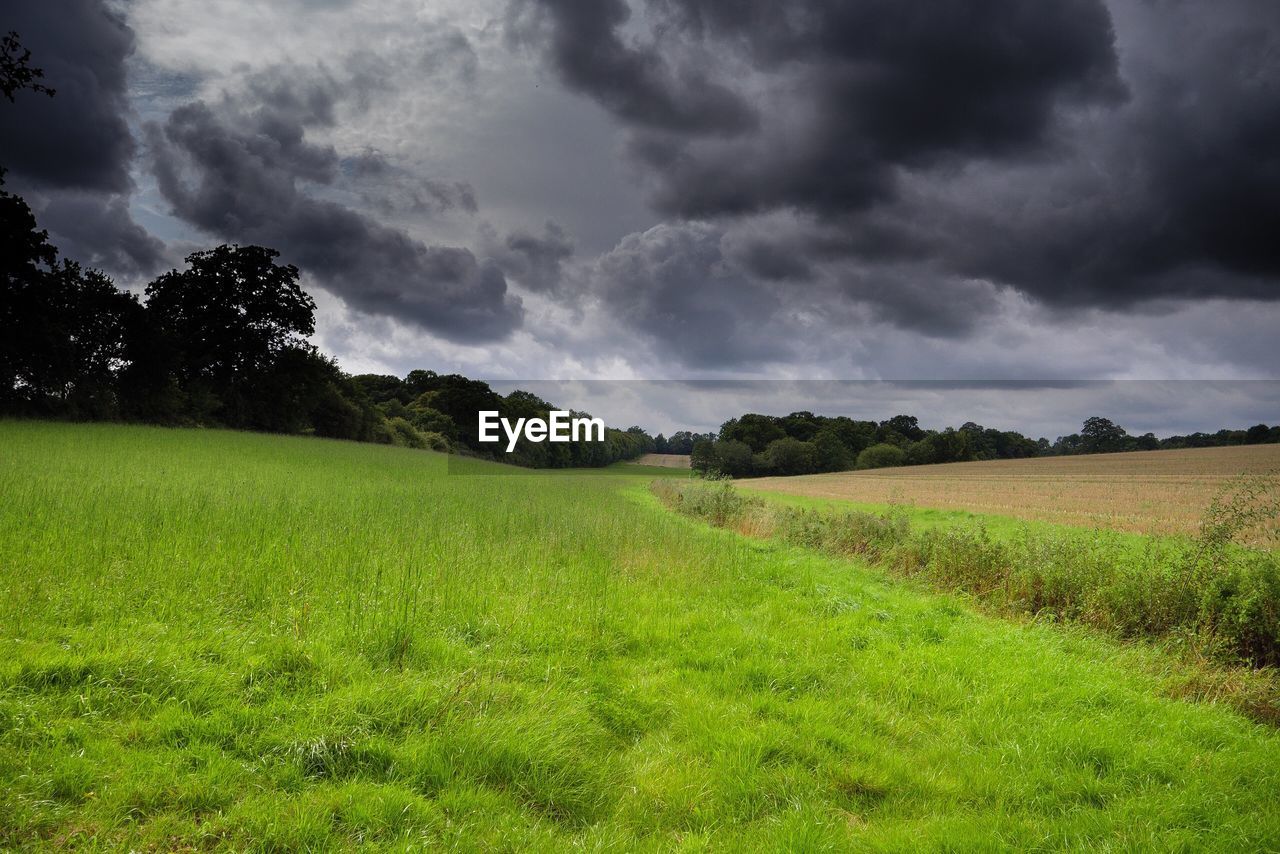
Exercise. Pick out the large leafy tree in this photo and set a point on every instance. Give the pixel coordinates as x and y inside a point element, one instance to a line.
<point>1102,436</point>
<point>26,259</point>
<point>228,318</point>
<point>754,431</point>
<point>63,328</point>
<point>84,321</point>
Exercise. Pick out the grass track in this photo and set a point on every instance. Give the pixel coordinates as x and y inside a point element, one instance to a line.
<point>223,639</point>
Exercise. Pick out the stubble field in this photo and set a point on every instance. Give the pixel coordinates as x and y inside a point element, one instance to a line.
<point>1147,492</point>
<point>671,461</point>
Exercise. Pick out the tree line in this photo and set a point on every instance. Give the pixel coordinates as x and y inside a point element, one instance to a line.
<point>803,443</point>
<point>679,442</point>
<point>220,343</point>
<point>223,343</point>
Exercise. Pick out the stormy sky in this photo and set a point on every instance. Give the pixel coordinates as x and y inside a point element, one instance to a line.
<point>1012,194</point>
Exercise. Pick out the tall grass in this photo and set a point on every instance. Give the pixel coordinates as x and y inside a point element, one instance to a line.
<point>229,641</point>
<point>1219,600</point>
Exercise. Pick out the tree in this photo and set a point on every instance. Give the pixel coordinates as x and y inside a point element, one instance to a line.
<point>88,323</point>
<point>734,458</point>
<point>788,456</point>
<point>801,425</point>
<point>906,426</point>
<point>65,332</point>
<point>1257,434</point>
<point>856,436</point>
<point>1102,436</point>
<point>755,431</point>
<point>228,317</point>
<point>829,452</point>
<point>382,388</point>
<point>26,260</point>
<point>681,442</point>
<point>702,457</point>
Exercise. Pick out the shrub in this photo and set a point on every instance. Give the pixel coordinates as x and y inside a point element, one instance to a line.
<point>405,434</point>
<point>882,456</point>
<point>436,441</point>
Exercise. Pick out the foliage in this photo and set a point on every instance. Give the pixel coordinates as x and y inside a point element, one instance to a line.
<point>881,456</point>
<point>816,443</point>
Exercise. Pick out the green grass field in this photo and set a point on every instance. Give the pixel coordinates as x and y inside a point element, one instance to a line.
<point>213,639</point>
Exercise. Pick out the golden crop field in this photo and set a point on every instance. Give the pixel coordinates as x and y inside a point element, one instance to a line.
<point>1152,492</point>
<point>669,461</point>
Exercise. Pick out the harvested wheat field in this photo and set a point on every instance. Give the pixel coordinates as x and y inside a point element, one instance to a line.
<point>1150,492</point>
<point>666,461</point>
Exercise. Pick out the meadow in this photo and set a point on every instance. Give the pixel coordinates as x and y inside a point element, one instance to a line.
<point>213,639</point>
<point>1146,492</point>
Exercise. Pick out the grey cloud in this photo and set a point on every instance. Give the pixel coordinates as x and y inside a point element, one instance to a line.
<point>1176,196</point>
<point>71,155</point>
<point>101,233</point>
<point>845,93</point>
<point>236,172</point>
<point>638,83</point>
<point>747,293</point>
<point>536,262</point>
<point>391,189</point>
<point>80,138</point>
<point>1031,145</point>
<point>673,284</point>
<point>445,48</point>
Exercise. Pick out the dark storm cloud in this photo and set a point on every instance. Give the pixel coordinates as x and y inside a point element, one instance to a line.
<point>236,172</point>
<point>1174,196</point>
<point>918,150</point>
<point>70,155</point>
<point>845,92</point>
<point>100,233</point>
<point>637,83</point>
<point>699,292</point>
<point>80,138</point>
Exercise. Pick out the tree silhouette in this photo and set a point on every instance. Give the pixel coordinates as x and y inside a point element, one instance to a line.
<point>1102,436</point>
<point>26,258</point>
<point>16,72</point>
<point>226,319</point>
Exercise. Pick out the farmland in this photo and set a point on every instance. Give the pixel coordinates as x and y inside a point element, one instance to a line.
<point>1147,492</point>
<point>217,639</point>
<point>673,461</point>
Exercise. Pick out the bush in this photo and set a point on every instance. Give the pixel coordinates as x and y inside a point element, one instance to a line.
<point>716,502</point>
<point>882,456</point>
<point>405,434</point>
<point>436,441</point>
